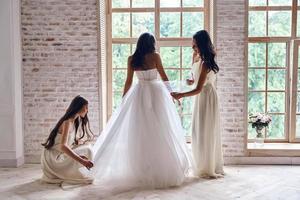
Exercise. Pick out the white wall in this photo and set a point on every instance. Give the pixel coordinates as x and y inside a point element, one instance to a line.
<point>11,119</point>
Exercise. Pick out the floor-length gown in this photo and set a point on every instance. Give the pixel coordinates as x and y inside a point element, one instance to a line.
<point>58,167</point>
<point>206,135</point>
<point>143,144</point>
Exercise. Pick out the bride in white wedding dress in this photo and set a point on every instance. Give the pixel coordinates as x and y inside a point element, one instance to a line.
<point>143,144</point>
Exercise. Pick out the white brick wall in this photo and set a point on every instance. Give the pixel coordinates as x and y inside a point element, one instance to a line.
<point>59,62</point>
<point>230,30</point>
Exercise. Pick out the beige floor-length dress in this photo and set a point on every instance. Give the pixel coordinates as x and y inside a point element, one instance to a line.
<point>206,135</point>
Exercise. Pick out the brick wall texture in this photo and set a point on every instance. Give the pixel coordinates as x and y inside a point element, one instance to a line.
<point>59,41</point>
<point>230,44</point>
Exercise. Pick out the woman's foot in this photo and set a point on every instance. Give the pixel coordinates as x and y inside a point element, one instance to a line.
<point>212,176</point>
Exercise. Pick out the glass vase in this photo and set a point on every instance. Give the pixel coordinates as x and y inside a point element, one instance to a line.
<point>259,139</point>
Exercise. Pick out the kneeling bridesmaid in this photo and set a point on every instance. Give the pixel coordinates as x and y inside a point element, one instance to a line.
<point>62,156</point>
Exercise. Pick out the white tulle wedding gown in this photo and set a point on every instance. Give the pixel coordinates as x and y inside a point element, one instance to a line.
<point>143,144</point>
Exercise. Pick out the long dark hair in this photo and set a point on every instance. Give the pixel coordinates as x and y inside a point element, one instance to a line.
<point>207,52</point>
<point>76,105</point>
<point>145,45</point>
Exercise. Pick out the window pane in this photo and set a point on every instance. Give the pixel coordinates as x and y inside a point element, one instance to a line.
<point>257,23</point>
<point>170,24</point>
<point>276,127</point>
<point>187,104</point>
<point>186,74</point>
<point>186,123</point>
<point>276,79</point>
<point>120,3</point>
<point>257,54</point>
<point>173,75</point>
<point>256,102</point>
<point>279,23</point>
<point>187,55</point>
<point>256,79</point>
<point>192,3</point>
<point>120,25</point>
<point>117,99</point>
<point>170,56</point>
<point>298,57</point>
<point>277,55</point>
<point>298,22</point>
<point>298,84</point>
<point>168,3</point>
<point>298,126</point>
<point>133,47</point>
<point>280,2</point>
<point>298,103</point>
<point>257,2</point>
<point>192,22</point>
<point>276,102</point>
<point>184,87</point>
<point>143,3</point>
<point>251,132</point>
<point>142,22</point>
<point>119,77</point>
<point>120,53</point>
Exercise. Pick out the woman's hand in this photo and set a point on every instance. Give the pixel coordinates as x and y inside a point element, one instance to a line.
<point>177,95</point>
<point>87,163</point>
<point>190,81</point>
<point>179,103</point>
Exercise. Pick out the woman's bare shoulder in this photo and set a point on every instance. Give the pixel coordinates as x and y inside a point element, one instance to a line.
<point>67,123</point>
<point>155,56</point>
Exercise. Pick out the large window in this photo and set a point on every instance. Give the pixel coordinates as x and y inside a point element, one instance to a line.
<point>273,36</point>
<point>267,75</point>
<point>172,22</point>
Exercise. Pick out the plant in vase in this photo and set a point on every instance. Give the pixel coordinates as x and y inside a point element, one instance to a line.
<point>259,121</point>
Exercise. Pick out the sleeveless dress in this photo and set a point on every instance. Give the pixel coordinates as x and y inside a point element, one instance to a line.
<point>143,144</point>
<point>206,133</point>
<point>58,167</point>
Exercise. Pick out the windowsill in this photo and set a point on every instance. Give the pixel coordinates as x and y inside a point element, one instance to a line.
<point>275,146</point>
<point>274,149</point>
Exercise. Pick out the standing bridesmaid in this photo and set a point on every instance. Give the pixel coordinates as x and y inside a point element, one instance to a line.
<point>206,137</point>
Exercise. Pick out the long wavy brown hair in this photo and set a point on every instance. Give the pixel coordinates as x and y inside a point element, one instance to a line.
<point>145,45</point>
<point>76,105</point>
<point>207,52</point>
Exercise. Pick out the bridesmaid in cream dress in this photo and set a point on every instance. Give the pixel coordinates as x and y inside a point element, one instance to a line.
<point>206,137</point>
<point>62,156</point>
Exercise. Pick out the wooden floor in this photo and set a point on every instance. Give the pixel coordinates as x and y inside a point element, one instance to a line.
<point>240,182</point>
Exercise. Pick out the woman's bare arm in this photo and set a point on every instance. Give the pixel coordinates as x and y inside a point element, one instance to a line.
<point>160,68</point>
<point>129,78</point>
<point>199,86</point>
<point>66,149</point>
<point>191,80</point>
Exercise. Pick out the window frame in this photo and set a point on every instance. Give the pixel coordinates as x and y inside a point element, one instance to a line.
<point>291,67</point>
<point>267,91</point>
<point>295,90</point>
<point>161,41</point>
